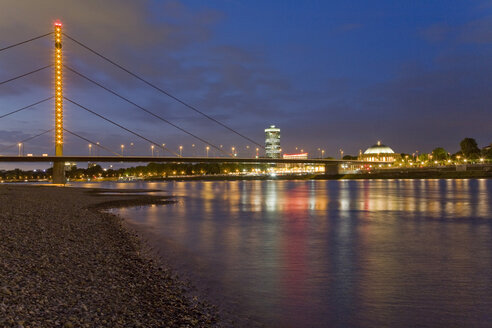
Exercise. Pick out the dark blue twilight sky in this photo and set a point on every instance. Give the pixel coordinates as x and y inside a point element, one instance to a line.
<point>330,74</point>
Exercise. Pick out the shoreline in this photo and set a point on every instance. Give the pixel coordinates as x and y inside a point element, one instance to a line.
<point>403,173</point>
<point>64,262</point>
<point>184,264</point>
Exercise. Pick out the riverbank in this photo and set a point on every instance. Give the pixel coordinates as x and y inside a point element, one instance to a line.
<point>403,173</point>
<point>64,263</point>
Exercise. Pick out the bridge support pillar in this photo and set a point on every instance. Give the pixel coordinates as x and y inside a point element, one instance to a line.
<point>332,169</point>
<point>59,172</point>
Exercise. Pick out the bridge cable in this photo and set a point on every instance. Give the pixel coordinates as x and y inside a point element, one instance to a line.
<point>164,92</point>
<point>93,143</point>
<point>146,110</point>
<point>26,140</point>
<point>18,44</point>
<point>26,107</point>
<point>121,126</point>
<point>26,74</point>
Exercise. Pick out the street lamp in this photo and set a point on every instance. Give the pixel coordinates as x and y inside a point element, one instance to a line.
<point>122,149</point>
<point>341,153</point>
<point>257,152</point>
<point>180,151</point>
<point>322,153</point>
<point>90,149</point>
<point>207,148</point>
<point>163,146</point>
<point>152,149</point>
<point>233,149</point>
<point>20,146</point>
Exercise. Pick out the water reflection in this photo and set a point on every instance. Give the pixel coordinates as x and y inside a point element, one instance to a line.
<point>334,253</point>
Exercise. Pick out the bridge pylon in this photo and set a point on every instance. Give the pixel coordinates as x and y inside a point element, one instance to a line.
<point>58,166</point>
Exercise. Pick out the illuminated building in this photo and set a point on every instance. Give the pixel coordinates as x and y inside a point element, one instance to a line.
<point>296,156</point>
<point>70,165</point>
<point>300,168</point>
<point>379,153</point>
<point>272,142</point>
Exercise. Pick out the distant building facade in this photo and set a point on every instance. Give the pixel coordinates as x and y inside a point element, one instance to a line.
<point>272,142</point>
<point>296,156</point>
<point>379,153</point>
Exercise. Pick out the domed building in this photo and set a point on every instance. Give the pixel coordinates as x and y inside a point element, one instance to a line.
<point>379,153</point>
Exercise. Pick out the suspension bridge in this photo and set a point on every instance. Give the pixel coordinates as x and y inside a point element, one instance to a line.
<point>59,159</point>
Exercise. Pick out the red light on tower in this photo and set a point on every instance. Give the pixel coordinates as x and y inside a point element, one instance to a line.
<point>58,23</point>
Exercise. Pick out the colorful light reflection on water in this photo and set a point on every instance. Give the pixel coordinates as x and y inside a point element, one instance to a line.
<point>393,253</point>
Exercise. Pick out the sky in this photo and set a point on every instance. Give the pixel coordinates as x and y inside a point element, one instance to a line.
<point>331,74</point>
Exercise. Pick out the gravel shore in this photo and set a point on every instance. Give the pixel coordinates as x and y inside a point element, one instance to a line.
<point>64,263</point>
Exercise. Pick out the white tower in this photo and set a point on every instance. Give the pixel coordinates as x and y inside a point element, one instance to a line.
<point>272,142</point>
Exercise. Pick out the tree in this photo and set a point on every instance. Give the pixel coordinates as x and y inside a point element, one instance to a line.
<point>469,148</point>
<point>94,170</point>
<point>487,152</point>
<point>439,154</point>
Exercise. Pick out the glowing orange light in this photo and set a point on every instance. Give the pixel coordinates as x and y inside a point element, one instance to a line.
<point>58,91</point>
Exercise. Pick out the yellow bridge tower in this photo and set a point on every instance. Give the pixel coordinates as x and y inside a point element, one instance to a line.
<point>58,166</point>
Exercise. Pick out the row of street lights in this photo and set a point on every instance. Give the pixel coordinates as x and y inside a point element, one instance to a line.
<point>152,148</point>
<point>93,149</point>
<point>233,153</point>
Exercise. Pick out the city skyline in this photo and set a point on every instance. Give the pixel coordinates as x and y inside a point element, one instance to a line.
<point>231,72</point>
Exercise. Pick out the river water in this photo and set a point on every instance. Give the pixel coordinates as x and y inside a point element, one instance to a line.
<point>371,253</point>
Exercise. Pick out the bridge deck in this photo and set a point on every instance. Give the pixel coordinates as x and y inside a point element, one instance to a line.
<point>148,159</point>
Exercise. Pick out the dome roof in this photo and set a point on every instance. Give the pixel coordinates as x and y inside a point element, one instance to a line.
<point>379,149</point>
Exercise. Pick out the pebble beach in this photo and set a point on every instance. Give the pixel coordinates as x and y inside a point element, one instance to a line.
<point>66,263</point>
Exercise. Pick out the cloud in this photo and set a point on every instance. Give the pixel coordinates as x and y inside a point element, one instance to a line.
<point>437,32</point>
<point>478,31</point>
<point>166,42</point>
<point>433,100</point>
<point>451,98</point>
<point>349,27</point>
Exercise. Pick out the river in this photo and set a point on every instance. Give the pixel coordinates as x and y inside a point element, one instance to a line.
<point>370,253</point>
